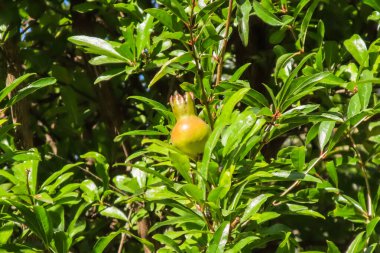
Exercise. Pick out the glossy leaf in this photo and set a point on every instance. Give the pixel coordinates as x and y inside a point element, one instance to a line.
<point>266,15</point>
<point>219,239</point>
<point>358,49</point>
<point>324,133</point>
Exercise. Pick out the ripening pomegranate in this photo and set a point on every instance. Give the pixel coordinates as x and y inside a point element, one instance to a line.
<point>190,133</point>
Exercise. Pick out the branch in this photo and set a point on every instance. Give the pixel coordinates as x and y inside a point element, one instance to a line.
<point>224,46</point>
<point>199,72</point>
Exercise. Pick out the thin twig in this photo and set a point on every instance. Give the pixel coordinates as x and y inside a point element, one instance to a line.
<point>199,72</point>
<point>320,158</point>
<point>224,46</point>
<point>91,174</point>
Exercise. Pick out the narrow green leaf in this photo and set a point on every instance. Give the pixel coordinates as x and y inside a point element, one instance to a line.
<point>44,222</point>
<point>324,133</point>
<point>164,17</point>
<point>365,89</point>
<point>183,58</point>
<point>208,10</point>
<point>354,106</point>
<point>176,8</point>
<point>332,248</point>
<point>239,72</point>
<point>163,239</point>
<point>220,238</point>
<point>220,123</point>
<point>238,246</point>
<point>136,133</point>
<point>266,15</point>
<point>96,46</point>
<point>371,226</point>
<point>109,74</point>
<point>144,30</point>
<point>306,21</point>
<point>6,231</point>
<point>61,242</point>
<point>31,88</point>
<point>182,164</point>
<point>7,90</point>
<point>373,3</point>
<point>253,206</point>
<point>331,170</point>
<point>56,174</point>
<point>243,10</point>
<point>357,244</point>
<point>114,212</point>
<point>298,157</point>
<point>103,242</point>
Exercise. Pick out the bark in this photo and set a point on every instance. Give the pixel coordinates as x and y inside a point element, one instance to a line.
<point>19,111</point>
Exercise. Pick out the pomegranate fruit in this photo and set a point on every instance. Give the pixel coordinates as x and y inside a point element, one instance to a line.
<point>190,133</point>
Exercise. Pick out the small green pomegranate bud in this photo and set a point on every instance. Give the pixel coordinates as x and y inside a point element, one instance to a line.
<point>190,133</point>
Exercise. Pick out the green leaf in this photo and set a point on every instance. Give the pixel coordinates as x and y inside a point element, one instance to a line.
<point>6,231</point>
<point>373,3</point>
<point>220,123</point>
<point>220,238</point>
<point>96,46</point>
<point>306,21</point>
<point>266,15</point>
<point>358,49</point>
<point>138,132</point>
<point>90,189</point>
<point>238,246</point>
<point>109,74</point>
<point>182,59</point>
<point>193,191</point>
<point>163,239</point>
<point>176,8</point>
<point>313,132</point>
<point>332,248</point>
<point>243,10</point>
<point>357,244</point>
<point>331,170</point>
<point>9,88</point>
<point>324,133</point>
<point>61,242</point>
<point>165,18</point>
<point>114,212</point>
<point>31,88</point>
<point>56,174</point>
<point>85,7</point>
<point>44,223</point>
<point>208,10</point>
<point>303,210</point>
<point>182,164</point>
<point>365,89</point>
<point>103,59</point>
<point>144,30</point>
<point>103,242</point>
<point>353,106</point>
<point>239,72</point>
<point>101,166</point>
<point>371,226</point>
<point>298,157</point>
<point>253,206</point>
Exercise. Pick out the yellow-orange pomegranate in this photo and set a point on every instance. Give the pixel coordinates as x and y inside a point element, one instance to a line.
<point>190,133</point>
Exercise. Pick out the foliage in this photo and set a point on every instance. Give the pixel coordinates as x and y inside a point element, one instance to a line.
<point>289,89</point>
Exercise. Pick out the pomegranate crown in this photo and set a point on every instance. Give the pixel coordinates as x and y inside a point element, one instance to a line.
<point>182,105</point>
